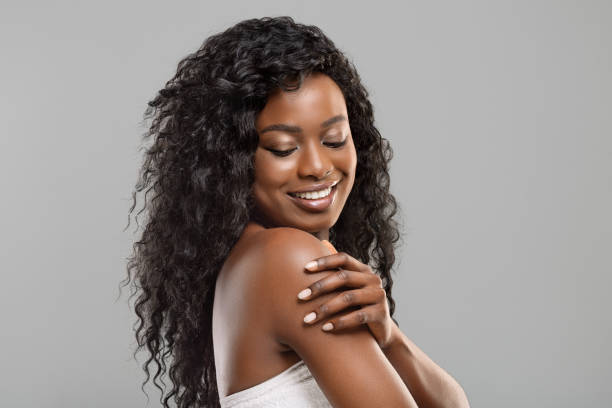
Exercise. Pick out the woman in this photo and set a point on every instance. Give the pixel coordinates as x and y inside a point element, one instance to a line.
<point>254,121</point>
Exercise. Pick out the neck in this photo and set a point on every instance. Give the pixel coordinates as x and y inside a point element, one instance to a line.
<point>257,218</point>
<point>322,235</point>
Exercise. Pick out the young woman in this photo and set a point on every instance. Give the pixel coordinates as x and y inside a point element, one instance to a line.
<point>264,158</point>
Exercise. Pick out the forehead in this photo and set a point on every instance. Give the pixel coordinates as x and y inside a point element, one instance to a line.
<point>318,99</point>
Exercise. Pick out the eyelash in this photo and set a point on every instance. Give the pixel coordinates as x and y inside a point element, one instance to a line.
<point>284,153</point>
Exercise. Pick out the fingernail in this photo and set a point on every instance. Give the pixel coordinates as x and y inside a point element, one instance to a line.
<point>310,317</point>
<point>305,293</point>
<point>327,326</point>
<point>311,265</point>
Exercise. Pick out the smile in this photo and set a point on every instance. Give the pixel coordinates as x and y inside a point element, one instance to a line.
<point>314,195</point>
<point>315,200</point>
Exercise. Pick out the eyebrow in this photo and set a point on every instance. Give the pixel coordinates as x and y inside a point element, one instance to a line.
<point>296,129</point>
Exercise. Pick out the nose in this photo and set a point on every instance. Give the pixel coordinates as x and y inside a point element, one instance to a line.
<point>314,161</point>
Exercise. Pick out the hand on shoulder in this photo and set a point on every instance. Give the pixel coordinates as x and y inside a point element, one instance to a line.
<point>349,367</point>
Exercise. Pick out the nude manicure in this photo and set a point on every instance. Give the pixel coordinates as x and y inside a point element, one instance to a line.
<point>310,317</point>
<point>305,293</point>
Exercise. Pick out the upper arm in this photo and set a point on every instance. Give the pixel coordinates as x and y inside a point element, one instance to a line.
<point>349,366</point>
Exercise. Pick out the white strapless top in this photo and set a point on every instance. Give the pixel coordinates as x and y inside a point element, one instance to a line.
<point>293,388</point>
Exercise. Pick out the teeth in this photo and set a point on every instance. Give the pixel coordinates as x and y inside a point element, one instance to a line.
<point>313,195</point>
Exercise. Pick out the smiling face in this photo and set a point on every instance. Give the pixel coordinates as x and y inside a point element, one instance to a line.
<point>305,142</point>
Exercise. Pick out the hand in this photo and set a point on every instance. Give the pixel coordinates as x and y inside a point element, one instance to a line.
<point>369,295</point>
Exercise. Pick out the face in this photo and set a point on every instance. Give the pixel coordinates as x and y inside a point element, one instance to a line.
<point>305,143</point>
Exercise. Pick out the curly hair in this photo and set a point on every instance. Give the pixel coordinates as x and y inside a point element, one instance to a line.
<point>199,172</point>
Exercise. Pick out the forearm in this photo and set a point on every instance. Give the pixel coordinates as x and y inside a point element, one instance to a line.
<point>429,384</point>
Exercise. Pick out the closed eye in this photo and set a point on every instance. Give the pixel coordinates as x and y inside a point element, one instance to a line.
<point>284,153</point>
<point>337,144</point>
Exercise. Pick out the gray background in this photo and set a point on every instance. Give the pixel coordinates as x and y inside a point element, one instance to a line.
<point>500,117</point>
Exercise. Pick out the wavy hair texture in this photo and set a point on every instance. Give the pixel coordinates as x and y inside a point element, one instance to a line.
<point>197,175</point>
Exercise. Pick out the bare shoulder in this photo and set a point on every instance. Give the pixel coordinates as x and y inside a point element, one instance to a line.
<point>349,366</point>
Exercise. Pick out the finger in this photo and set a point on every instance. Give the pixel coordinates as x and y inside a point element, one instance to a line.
<point>353,319</point>
<point>342,277</point>
<point>340,259</point>
<point>346,299</point>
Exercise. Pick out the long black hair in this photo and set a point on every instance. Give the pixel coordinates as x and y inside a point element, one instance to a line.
<point>197,175</point>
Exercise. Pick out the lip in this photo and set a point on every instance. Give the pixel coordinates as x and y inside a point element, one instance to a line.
<point>317,205</point>
<point>316,187</point>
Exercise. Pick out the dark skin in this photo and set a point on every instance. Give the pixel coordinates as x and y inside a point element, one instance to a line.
<point>270,257</point>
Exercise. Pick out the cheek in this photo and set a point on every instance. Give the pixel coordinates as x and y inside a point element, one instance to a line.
<point>269,173</point>
<point>351,159</point>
